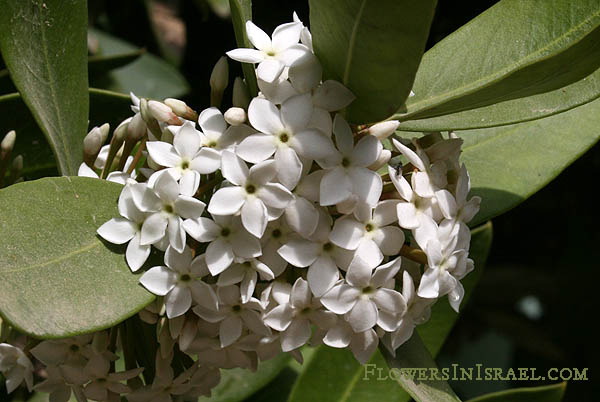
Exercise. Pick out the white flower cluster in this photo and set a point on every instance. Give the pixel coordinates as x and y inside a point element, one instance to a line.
<point>277,229</point>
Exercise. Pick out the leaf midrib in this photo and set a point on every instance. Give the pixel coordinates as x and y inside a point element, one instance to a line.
<point>498,75</point>
<point>352,43</point>
<point>51,261</point>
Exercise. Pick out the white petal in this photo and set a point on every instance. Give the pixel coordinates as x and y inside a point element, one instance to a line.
<point>219,256</point>
<point>136,254</point>
<point>407,215</point>
<point>366,184</point>
<point>302,216</point>
<point>211,121</point>
<point>343,135</point>
<point>254,216</point>
<point>275,195</point>
<point>340,299</point>
<point>296,335</point>
<point>385,212</point>
<point>305,74</point>
<point>364,345</point>
<point>246,55</point>
<point>390,300</point>
<point>280,317</point>
<point>256,148</point>
<point>296,112</point>
<point>366,151</point>
<point>176,233</point>
<point>363,315</point>
<point>422,184</point>
<point>300,252</point>
<point>154,228</point>
<point>264,116</point>
<point>257,36</point>
<point>286,35</point>
<point>117,230</point>
<point>159,280</point>
<point>204,295</point>
<point>289,167</point>
<point>86,171</point>
<point>163,153</point>
<point>178,261</point>
<point>245,245</point>
<point>227,201</point>
<point>447,203</point>
<point>188,207</point>
<point>202,229</point>
<point>187,140</point>
<point>322,275</point>
<point>313,144</point>
<point>178,301</point>
<point>269,70</point>
<point>292,54</point>
<point>347,233</point>
<point>389,239</point>
<point>332,96</point>
<point>189,182</point>
<point>233,168</point>
<point>401,184</point>
<point>321,120</point>
<point>262,172</point>
<point>338,337</point>
<point>359,275</point>
<point>410,155</point>
<point>206,161</point>
<point>230,330</point>
<point>166,187</point>
<point>335,187</point>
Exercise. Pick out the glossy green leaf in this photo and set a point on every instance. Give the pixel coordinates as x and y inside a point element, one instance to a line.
<point>106,107</point>
<point>241,11</point>
<point>58,278</point>
<point>546,393</point>
<point>148,76</point>
<point>238,384</point>
<point>512,50</point>
<point>372,47</point>
<point>414,354</point>
<point>49,67</point>
<point>335,375</point>
<point>514,111</point>
<point>509,164</point>
<point>101,64</point>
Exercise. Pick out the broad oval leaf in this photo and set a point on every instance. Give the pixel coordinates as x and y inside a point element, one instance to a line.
<point>509,164</point>
<point>238,384</point>
<point>334,375</point>
<point>372,47</point>
<point>546,393</point>
<point>148,76</point>
<point>49,68</point>
<point>106,107</point>
<point>59,278</point>
<point>241,11</point>
<point>514,49</point>
<point>514,111</point>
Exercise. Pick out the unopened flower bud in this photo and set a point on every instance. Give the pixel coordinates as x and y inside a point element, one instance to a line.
<point>92,143</point>
<point>137,128</point>
<point>384,129</point>
<point>17,167</point>
<point>8,142</point>
<point>219,79</point>
<point>235,116</point>
<point>181,109</point>
<point>163,113</point>
<point>241,96</point>
<point>384,157</point>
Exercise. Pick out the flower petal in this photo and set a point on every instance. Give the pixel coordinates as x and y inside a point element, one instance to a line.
<point>117,230</point>
<point>227,201</point>
<point>257,36</point>
<point>256,148</point>
<point>246,55</point>
<point>322,275</point>
<point>254,216</point>
<point>300,252</point>
<point>178,301</point>
<point>159,280</point>
<point>363,315</point>
<point>264,116</point>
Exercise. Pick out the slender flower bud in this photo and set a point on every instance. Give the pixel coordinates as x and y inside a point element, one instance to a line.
<point>384,157</point>
<point>8,142</point>
<point>219,79</point>
<point>235,116</point>
<point>92,143</point>
<point>163,113</point>
<point>17,168</point>
<point>181,109</point>
<point>384,129</point>
<point>137,128</point>
<point>115,146</point>
<point>241,96</point>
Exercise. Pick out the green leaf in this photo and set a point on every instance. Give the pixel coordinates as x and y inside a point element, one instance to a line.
<point>335,375</point>
<point>414,354</point>
<point>509,164</point>
<point>241,11</point>
<point>100,64</point>
<point>514,111</point>
<point>58,278</point>
<point>106,107</point>
<point>373,48</point>
<point>546,393</point>
<point>512,50</point>
<point>238,384</point>
<point>149,76</point>
<point>44,45</point>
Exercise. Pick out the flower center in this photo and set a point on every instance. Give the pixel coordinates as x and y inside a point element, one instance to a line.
<point>185,278</point>
<point>271,53</point>
<point>250,189</point>
<point>345,162</point>
<point>185,165</point>
<point>169,209</point>
<point>225,232</point>
<point>212,144</point>
<point>276,233</point>
<point>237,308</point>
<point>327,247</point>
<point>284,137</point>
<point>368,290</point>
<point>369,227</point>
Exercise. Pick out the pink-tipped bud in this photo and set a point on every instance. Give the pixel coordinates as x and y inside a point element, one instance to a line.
<point>181,109</point>
<point>384,129</point>
<point>235,116</point>
<point>163,113</point>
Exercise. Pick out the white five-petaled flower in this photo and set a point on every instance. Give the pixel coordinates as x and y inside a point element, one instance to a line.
<point>368,298</point>
<point>370,233</point>
<point>179,281</point>
<point>216,134</point>
<point>286,134</point>
<point>347,172</point>
<point>186,159</point>
<point>252,192</point>
<point>15,366</point>
<point>228,240</point>
<point>166,207</point>
<point>272,54</point>
<point>294,317</point>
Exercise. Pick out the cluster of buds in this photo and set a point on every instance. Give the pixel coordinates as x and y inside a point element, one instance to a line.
<point>10,171</point>
<point>277,229</point>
